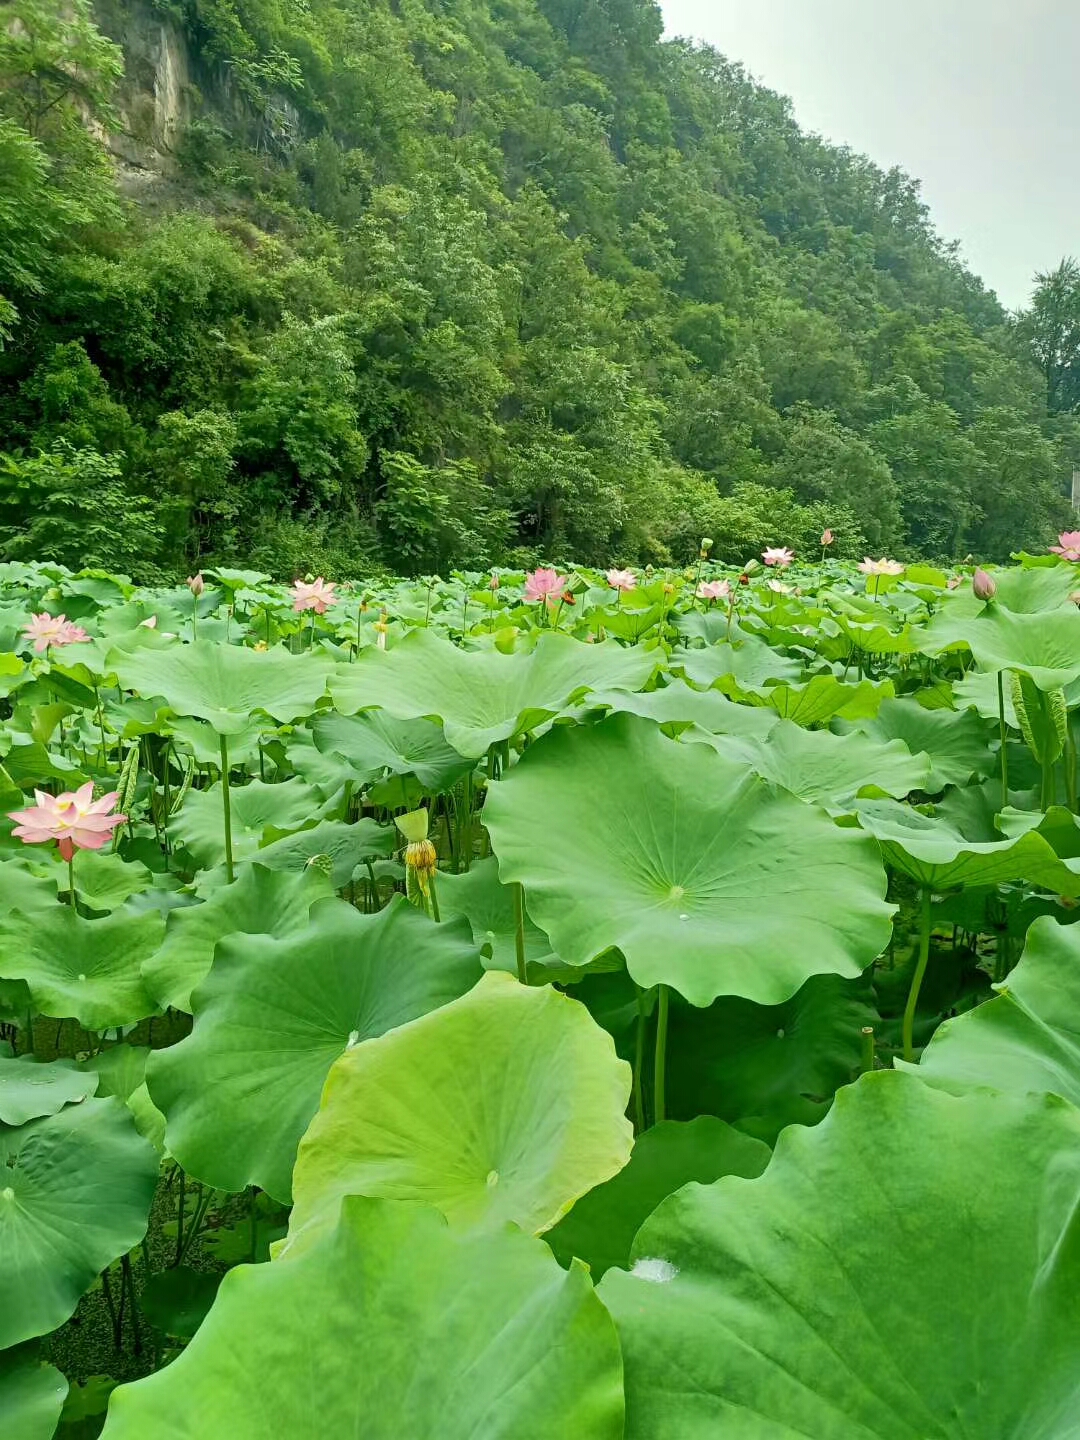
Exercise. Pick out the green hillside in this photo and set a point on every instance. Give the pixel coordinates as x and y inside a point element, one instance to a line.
<point>415,284</point>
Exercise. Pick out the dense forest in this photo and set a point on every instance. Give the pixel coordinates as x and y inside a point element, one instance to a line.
<point>347,285</point>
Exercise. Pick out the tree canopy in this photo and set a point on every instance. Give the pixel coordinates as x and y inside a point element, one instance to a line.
<point>428,283</point>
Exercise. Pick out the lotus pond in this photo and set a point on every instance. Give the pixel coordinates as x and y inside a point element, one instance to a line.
<point>546,1007</point>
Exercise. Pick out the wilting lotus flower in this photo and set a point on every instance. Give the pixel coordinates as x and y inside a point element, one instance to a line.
<point>953,582</point>
<point>494,582</point>
<point>827,537</point>
<point>984,585</point>
<point>75,820</point>
<point>150,623</point>
<point>196,584</point>
<point>45,630</point>
<point>880,567</point>
<point>542,584</point>
<point>1068,546</point>
<point>621,579</point>
<point>714,590</point>
<point>778,555</point>
<point>318,596</point>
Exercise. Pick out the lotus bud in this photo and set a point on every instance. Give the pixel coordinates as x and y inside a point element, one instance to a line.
<point>494,582</point>
<point>196,584</point>
<point>827,537</point>
<point>984,585</point>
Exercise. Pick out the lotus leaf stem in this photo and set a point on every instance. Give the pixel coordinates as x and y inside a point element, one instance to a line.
<point>917,978</point>
<point>660,1058</point>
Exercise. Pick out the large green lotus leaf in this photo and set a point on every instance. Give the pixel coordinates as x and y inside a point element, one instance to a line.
<point>375,743</point>
<point>866,1287</point>
<point>1028,1038</point>
<point>1027,589</point>
<point>934,852</point>
<point>103,880</point>
<point>677,706</point>
<point>956,742</point>
<point>704,878</point>
<point>23,885</point>
<point>507,1104</point>
<point>818,700</point>
<point>205,743</point>
<point>391,1326</point>
<point>767,1066</point>
<point>89,969</point>
<point>259,902</point>
<point>29,1089</point>
<point>347,846</point>
<point>483,696</point>
<point>273,1015</point>
<point>75,1191</point>
<point>488,905</point>
<point>223,684</point>
<point>121,1070</point>
<point>1046,644</point>
<point>256,808</point>
<point>751,662</point>
<point>829,769</point>
<point>31,1395</point>
<point>600,1229</point>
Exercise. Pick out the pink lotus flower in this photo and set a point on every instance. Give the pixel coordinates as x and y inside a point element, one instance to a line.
<point>779,587</point>
<point>196,584</point>
<point>714,590</point>
<point>621,580</point>
<point>150,623</point>
<point>46,630</point>
<point>494,582</point>
<point>879,567</point>
<point>318,595</point>
<point>827,537</point>
<point>1068,546</point>
<point>778,555</point>
<point>75,820</point>
<point>543,584</point>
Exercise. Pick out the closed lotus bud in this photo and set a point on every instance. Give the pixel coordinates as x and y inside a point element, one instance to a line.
<point>196,584</point>
<point>984,585</point>
<point>494,582</point>
<point>827,537</point>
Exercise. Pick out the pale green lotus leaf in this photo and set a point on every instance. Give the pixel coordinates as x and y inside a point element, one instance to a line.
<point>507,1104</point>
<point>390,1326</point>
<point>866,1287</point>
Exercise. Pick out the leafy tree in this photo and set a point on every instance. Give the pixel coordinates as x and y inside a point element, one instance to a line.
<point>1050,330</point>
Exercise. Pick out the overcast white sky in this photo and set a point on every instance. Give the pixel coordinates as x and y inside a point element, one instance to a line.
<point>978,99</point>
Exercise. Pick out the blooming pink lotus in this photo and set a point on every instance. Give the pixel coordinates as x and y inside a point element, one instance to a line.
<point>778,555</point>
<point>621,580</point>
<point>1068,546</point>
<point>827,537</point>
<point>543,584</point>
<point>714,590</point>
<point>45,630</point>
<point>879,567</point>
<point>75,820</point>
<point>318,595</point>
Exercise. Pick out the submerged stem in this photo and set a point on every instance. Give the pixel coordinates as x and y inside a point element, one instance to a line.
<point>519,932</point>
<point>917,978</point>
<point>639,1061</point>
<point>226,808</point>
<point>660,1058</point>
<point>1004,732</point>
